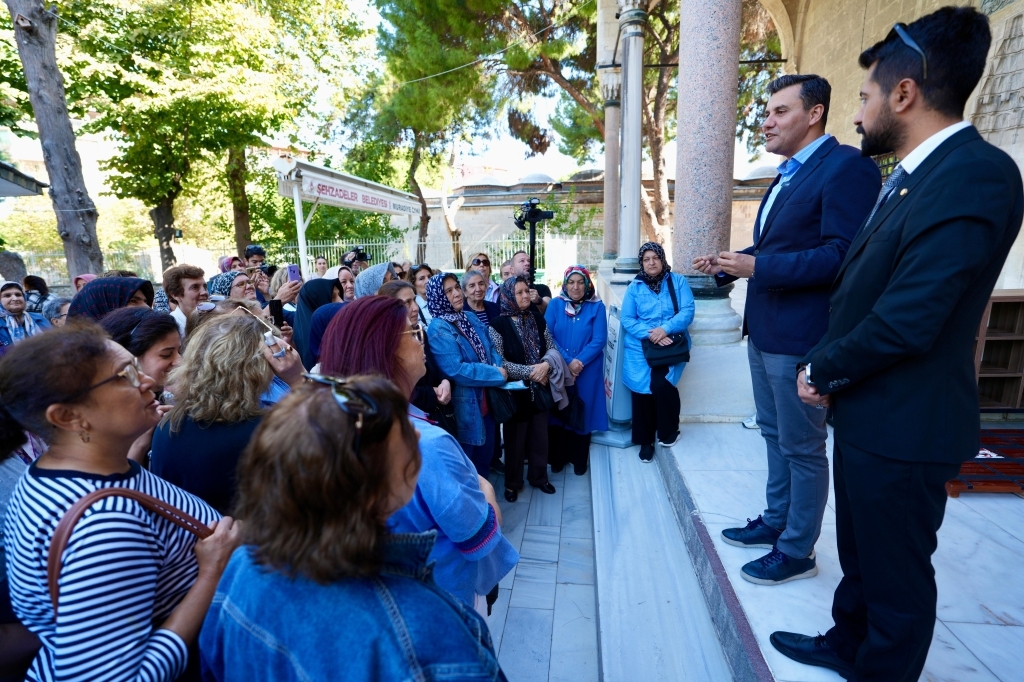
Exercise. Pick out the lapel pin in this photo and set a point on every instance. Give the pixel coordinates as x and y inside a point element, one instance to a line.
<point>903,192</point>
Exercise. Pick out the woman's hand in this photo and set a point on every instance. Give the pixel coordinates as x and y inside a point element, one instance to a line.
<point>142,445</point>
<point>667,341</point>
<point>288,292</point>
<point>288,367</point>
<point>504,374</point>
<point>575,367</point>
<point>656,335</point>
<point>539,372</point>
<point>212,554</point>
<point>444,392</point>
<point>287,333</point>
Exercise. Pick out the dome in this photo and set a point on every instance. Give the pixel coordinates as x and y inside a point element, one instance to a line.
<point>536,179</point>
<point>762,173</point>
<point>483,181</point>
<point>587,174</point>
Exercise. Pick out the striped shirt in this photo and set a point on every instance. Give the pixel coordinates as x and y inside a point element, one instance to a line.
<point>125,569</point>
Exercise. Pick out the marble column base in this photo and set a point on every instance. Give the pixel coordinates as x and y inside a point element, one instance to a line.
<point>715,323</point>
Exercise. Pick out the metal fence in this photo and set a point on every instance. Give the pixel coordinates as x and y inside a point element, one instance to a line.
<point>52,266</point>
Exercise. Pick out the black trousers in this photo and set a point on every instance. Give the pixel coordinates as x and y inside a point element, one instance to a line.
<point>657,411</point>
<point>565,446</point>
<point>526,441</point>
<point>888,512</point>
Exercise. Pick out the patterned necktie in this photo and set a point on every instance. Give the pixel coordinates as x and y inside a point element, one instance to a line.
<point>891,183</point>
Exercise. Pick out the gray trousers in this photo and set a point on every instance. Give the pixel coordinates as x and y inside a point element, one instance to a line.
<point>795,435</point>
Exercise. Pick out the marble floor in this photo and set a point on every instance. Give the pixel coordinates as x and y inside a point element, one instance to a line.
<point>980,628</point>
<point>544,624</point>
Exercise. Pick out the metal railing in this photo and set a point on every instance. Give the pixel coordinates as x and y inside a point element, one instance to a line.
<point>52,266</point>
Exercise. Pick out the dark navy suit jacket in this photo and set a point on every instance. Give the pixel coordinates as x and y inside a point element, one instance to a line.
<point>898,355</point>
<point>801,246</point>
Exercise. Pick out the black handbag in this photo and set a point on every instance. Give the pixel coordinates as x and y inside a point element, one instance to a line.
<point>574,414</point>
<point>678,351</point>
<point>542,398</point>
<point>444,415</point>
<point>500,404</point>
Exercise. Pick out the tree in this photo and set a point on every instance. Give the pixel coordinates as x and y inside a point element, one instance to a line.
<point>759,43</point>
<point>35,30</point>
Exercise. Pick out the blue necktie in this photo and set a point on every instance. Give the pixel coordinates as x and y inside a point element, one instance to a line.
<point>891,183</point>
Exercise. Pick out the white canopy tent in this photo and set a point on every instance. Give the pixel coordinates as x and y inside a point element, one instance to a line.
<point>303,181</point>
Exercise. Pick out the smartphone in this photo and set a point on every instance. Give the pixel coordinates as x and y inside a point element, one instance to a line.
<point>277,312</point>
<point>294,273</point>
<point>251,270</point>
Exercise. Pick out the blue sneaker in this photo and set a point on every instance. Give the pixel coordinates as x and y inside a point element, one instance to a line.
<point>778,567</point>
<point>756,533</point>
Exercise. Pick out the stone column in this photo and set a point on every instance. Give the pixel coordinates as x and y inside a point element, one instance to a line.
<point>709,44</point>
<point>631,41</point>
<point>611,85</point>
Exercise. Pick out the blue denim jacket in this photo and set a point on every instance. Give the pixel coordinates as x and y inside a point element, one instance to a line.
<point>459,363</point>
<point>398,625</point>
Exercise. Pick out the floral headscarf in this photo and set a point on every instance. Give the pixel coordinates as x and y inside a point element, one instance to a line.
<point>439,306</point>
<point>654,283</point>
<point>572,308</point>
<point>220,285</point>
<point>524,319</point>
<point>101,295</point>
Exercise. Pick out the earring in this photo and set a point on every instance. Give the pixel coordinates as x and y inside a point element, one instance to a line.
<point>84,435</point>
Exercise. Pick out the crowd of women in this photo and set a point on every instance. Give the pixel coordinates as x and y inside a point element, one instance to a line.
<point>190,490</point>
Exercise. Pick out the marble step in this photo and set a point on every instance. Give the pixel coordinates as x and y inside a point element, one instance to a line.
<point>653,620</point>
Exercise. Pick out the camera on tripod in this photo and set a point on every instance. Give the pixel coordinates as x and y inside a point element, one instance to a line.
<point>530,212</point>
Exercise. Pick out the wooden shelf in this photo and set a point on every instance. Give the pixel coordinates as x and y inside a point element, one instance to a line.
<point>999,352</point>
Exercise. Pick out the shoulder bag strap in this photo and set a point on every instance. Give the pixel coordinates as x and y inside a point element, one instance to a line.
<point>672,293</point>
<point>72,515</point>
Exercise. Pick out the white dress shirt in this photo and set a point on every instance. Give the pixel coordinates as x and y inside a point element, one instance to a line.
<point>923,150</point>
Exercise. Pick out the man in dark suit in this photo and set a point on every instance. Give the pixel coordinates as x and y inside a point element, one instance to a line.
<point>807,219</point>
<point>896,364</point>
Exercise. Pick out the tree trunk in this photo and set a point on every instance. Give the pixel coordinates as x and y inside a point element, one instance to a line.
<point>12,266</point>
<point>35,30</point>
<point>237,176</point>
<point>163,229</point>
<point>417,152</point>
<point>449,211</point>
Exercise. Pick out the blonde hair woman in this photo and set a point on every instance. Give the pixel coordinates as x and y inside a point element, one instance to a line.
<point>227,379</point>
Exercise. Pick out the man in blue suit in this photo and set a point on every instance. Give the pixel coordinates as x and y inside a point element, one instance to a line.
<point>804,227</point>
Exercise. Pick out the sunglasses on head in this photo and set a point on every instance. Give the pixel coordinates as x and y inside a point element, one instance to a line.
<point>351,401</point>
<point>900,30</point>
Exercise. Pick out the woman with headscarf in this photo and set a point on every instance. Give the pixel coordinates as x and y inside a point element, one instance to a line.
<point>100,296</point>
<point>465,355</point>
<point>521,337</point>
<point>313,294</point>
<point>658,303</point>
<point>373,277</point>
<point>232,284</point>
<point>580,328</point>
<point>16,323</point>
<point>80,281</point>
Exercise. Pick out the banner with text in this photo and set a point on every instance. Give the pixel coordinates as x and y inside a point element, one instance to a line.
<point>334,192</point>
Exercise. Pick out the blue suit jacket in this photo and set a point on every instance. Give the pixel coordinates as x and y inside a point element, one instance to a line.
<point>801,246</point>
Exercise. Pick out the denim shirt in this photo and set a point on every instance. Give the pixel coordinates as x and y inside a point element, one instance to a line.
<point>642,311</point>
<point>459,363</point>
<point>397,625</point>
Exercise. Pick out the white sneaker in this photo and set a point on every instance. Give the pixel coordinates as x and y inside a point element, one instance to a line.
<point>751,423</point>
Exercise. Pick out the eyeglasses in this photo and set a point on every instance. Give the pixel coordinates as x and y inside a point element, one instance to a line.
<point>132,372</point>
<point>900,30</point>
<point>481,261</point>
<point>351,401</point>
<point>417,333</point>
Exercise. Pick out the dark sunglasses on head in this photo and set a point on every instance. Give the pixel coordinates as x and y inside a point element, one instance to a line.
<point>481,261</point>
<point>900,30</point>
<point>351,401</point>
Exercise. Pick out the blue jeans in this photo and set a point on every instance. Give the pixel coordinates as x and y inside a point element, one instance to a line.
<point>481,455</point>
<point>795,435</point>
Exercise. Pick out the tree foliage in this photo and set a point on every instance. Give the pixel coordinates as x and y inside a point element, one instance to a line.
<point>759,40</point>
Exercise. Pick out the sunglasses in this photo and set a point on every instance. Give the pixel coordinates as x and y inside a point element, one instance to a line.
<point>417,333</point>
<point>900,30</point>
<point>481,261</point>
<point>351,401</point>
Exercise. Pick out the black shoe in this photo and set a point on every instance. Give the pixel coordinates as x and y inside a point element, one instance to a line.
<point>756,533</point>
<point>546,488</point>
<point>556,468</point>
<point>647,453</point>
<point>580,470</point>
<point>511,495</point>
<point>497,466</point>
<point>810,651</point>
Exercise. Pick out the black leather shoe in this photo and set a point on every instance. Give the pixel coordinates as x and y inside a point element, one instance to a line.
<point>497,466</point>
<point>811,651</point>
<point>511,495</point>
<point>556,468</point>
<point>546,488</point>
